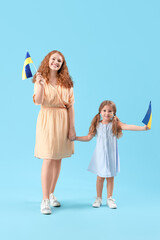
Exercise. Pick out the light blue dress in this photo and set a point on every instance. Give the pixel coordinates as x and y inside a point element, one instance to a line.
<point>105,159</point>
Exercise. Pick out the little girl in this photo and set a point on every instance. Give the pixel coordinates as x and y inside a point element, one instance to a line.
<point>105,160</point>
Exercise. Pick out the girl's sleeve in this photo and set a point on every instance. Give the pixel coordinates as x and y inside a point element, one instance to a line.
<point>71,97</point>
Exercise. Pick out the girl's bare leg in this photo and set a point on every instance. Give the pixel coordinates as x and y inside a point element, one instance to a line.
<point>46,176</point>
<point>99,186</point>
<point>110,185</point>
<point>56,167</point>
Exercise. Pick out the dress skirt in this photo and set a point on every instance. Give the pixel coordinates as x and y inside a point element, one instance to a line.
<point>53,124</point>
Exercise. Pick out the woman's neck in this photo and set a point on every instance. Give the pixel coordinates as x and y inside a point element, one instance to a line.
<point>53,77</point>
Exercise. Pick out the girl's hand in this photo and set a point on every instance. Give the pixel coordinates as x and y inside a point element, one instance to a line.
<point>72,134</point>
<point>146,128</point>
<point>40,79</point>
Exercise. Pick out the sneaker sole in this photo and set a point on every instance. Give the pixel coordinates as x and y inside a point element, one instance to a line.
<point>96,206</point>
<point>55,205</point>
<point>46,212</point>
<point>111,207</point>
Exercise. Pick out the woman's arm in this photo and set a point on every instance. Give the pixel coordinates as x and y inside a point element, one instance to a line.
<point>85,138</point>
<point>38,95</point>
<point>72,132</point>
<point>39,92</point>
<point>133,127</point>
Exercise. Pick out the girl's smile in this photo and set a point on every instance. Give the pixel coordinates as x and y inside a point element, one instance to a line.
<point>106,113</point>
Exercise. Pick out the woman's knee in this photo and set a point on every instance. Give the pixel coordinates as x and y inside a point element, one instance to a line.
<point>47,161</point>
<point>56,163</point>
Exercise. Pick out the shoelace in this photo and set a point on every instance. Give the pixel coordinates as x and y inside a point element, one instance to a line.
<point>53,197</point>
<point>112,200</point>
<point>97,200</point>
<point>46,203</point>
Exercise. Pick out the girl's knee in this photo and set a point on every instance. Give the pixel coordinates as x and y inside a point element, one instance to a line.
<point>110,179</point>
<point>100,179</point>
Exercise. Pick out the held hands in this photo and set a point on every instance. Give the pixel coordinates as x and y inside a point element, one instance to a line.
<point>72,134</point>
<point>40,79</point>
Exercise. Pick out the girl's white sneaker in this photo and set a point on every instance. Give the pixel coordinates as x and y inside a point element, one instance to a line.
<point>97,203</point>
<point>45,207</point>
<point>111,203</point>
<point>53,201</point>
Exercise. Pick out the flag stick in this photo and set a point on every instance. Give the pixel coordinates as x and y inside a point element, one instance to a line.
<point>34,67</point>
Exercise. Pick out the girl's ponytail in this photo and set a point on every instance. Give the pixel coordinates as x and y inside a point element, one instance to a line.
<point>116,128</point>
<point>94,123</point>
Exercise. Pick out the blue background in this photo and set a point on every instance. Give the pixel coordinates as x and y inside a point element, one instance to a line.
<point>112,51</point>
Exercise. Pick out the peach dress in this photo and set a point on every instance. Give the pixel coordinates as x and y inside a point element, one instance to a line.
<point>53,123</point>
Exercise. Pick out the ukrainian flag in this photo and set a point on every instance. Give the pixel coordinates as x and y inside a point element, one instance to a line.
<point>26,72</point>
<point>148,117</point>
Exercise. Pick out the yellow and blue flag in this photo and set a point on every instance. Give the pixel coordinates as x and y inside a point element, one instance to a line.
<point>148,117</point>
<point>26,72</point>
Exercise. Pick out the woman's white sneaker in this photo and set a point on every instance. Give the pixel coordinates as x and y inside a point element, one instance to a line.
<point>111,203</point>
<point>53,201</point>
<point>45,207</point>
<point>97,203</point>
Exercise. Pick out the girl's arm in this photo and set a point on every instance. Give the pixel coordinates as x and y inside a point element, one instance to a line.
<point>85,138</point>
<point>72,132</point>
<point>133,127</point>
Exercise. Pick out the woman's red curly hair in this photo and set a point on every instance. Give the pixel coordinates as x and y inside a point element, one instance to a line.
<point>63,77</point>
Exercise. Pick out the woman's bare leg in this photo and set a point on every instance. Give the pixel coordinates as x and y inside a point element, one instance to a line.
<point>56,167</point>
<point>46,177</point>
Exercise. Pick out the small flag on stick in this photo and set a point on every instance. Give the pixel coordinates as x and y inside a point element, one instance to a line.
<point>148,117</point>
<point>26,72</point>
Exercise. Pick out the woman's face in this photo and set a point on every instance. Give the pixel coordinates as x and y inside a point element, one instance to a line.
<point>107,113</point>
<point>55,62</point>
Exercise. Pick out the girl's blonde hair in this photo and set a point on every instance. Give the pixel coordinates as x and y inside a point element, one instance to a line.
<point>116,128</point>
<point>63,77</point>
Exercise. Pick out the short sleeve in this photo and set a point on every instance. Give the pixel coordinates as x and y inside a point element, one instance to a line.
<point>71,97</point>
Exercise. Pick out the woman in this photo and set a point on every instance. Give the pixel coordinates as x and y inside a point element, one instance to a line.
<point>55,124</point>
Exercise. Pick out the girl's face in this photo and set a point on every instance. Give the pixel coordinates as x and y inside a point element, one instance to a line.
<point>55,62</point>
<point>107,113</point>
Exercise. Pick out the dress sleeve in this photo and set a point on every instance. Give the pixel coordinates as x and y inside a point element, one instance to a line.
<point>71,97</point>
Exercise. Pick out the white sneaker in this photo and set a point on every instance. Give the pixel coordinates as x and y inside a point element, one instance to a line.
<point>97,203</point>
<point>111,203</point>
<point>53,201</point>
<point>45,207</point>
